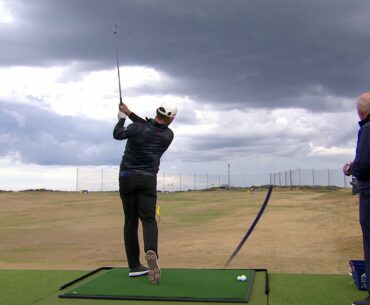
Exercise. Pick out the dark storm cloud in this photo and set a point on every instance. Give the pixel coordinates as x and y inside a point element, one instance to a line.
<point>226,148</point>
<point>235,54</point>
<point>42,137</point>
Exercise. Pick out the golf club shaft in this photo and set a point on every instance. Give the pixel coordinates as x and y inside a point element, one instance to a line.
<point>116,26</point>
<point>244,239</point>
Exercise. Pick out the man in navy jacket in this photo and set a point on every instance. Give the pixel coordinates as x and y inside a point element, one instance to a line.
<point>360,168</point>
<point>147,140</point>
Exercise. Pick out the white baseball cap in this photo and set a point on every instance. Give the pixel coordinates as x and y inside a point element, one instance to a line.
<point>167,109</point>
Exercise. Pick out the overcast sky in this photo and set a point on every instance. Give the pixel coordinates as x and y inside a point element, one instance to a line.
<point>262,85</point>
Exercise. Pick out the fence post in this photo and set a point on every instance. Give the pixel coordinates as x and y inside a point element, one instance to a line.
<point>279,179</point>
<point>328,178</point>
<point>228,176</point>
<point>101,180</point>
<point>285,177</point>
<point>299,177</point>
<point>313,177</point>
<point>163,182</point>
<point>77,179</point>
<point>291,183</point>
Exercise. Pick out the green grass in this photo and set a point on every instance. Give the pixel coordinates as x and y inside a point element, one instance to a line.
<point>19,287</point>
<point>197,208</point>
<point>311,289</point>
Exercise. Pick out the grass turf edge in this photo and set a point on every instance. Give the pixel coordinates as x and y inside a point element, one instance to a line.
<point>103,275</point>
<point>26,287</point>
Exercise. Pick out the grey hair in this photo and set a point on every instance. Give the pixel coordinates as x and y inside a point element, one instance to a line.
<point>363,102</point>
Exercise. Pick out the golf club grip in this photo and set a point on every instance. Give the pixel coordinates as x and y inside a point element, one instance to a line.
<point>251,228</point>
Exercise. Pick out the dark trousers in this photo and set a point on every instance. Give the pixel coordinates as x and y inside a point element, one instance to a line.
<point>139,196</point>
<point>365,226</point>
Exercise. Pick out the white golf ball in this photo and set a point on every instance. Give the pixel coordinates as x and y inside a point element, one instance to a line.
<point>238,277</point>
<point>243,278</point>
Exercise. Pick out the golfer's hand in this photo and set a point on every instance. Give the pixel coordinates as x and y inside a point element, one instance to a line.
<point>121,115</point>
<point>123,108</point>
<point>346,169</point>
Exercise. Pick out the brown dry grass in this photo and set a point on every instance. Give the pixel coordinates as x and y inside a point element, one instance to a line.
<point>300,232</point>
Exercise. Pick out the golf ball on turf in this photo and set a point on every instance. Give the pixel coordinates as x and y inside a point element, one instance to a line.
<point>238,277</point>
<point>243,278</point>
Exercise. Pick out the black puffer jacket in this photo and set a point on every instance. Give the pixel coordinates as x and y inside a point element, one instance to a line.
<point>360,167</point>
<point>147,140</point>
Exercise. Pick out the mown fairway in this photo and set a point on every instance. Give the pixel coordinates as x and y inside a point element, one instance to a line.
<point>302,231</point>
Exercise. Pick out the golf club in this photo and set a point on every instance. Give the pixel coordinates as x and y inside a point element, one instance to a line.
<point>116,28</point>
<point>244,239</point>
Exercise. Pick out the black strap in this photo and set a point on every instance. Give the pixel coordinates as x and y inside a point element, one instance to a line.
<point>251,228</point>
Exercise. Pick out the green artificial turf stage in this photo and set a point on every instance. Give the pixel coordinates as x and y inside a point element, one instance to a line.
<point>20,287</point>
<point>176,284</point>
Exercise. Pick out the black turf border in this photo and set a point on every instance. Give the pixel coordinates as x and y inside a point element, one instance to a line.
<point>153,298</point>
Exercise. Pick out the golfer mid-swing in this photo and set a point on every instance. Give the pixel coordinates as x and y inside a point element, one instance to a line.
<point>147,140</point>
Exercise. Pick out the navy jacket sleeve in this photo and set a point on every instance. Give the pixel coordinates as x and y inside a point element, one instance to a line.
<point>360,167</point>
<point>120,132</point>
<point>136,118</point>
